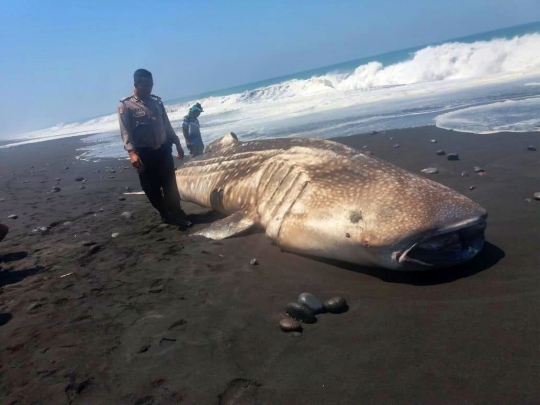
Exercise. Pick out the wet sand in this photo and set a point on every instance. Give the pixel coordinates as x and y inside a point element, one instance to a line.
<point>155,316</point>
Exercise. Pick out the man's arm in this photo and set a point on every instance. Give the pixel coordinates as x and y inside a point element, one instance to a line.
<point>171,135</point>
<point>125,132</point>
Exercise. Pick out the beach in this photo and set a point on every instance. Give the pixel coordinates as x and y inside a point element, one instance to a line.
<point>156,316</point>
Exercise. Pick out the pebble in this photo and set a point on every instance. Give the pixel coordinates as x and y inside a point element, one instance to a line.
<point>391,138</point>
<point>82,187</point>
<point>397,145</point>
<point>453,156</point>
<point>430,170</point>
<point>531,148</point>
<point>67,224</point>
<point>126,215</point>
<point>537,196</point>
<point>94,249</point>
<point>79,178</point>
<point>111,177</point>
<point>121,198</point>
<point>42,181</point>
<point>112,171</point>
<point>56,189</point>
<point>433,141</point>
<point>312,302</point>
<point>300,313</point>
<point>254,262</point>
<point>115,235</point>
<point>440,152</point>
<point>33,306</point>
<point>290,325</point>
<point>127,188</point>
<point>336,305</point>
<point>2,199</point>
<point>472,187</point>
<point>84,181</point>
<point>464,174</point>
<point>66,168</point>
<point>478,169</point>
<point>373,133</point>
<point>40,229</point>
<point>57,179</point>
<point>13,216</point>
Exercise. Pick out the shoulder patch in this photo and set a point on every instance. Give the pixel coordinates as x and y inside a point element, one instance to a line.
<point>153,95</point>
<point>126,98</point>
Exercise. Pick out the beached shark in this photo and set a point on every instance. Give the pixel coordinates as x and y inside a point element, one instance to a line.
<point>321,198</point>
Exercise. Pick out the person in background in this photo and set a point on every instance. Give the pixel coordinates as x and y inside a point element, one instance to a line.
<point>192,131</point>
<point>148,138</point>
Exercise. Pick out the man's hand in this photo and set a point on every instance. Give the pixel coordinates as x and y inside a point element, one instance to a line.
<point>135,160</point>
<point>180,154</point>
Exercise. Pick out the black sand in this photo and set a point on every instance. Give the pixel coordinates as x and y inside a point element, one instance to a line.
<point>157,317</point>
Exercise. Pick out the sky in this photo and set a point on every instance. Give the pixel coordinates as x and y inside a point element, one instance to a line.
<point>63,61</point>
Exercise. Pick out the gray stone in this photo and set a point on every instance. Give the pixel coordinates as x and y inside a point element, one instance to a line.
<point>41,229</point>
<point>396,145</point>
<point>13,216</point>
<point>115,235</point>
<point>478,169</point>
<point>290,325</point>
<point>79,178</point>
<point>126,215</point>
<point>373,133</point>
<point>440,152</point>
<point>472,187</point>
<point>537,196</point>
<point>56,189</point>
<point>254,262</point>
<point>87,243</point>
<point>464,174</point>
<point>33,305</point>
<point>430,170</point>
<point>82,187</point>
<point>121,198</point>
<point>2,199</point>
<point>300,313</point>
<point>312,302</point>
<point>57,179</point>
<point>452,156</point>
<point>336,305</point>
<point>433,141</point>
<point>531,148</point>
<point>94,249</point>
<point>67,224</point>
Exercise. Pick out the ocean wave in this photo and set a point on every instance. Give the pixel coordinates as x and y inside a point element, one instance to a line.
<point>505,116</point>
<point>433,69</point>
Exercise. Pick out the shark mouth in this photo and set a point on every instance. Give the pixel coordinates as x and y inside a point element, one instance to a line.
<point>449,247</point>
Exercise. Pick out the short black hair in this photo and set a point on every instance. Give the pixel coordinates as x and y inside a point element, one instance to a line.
<point>141,73</point>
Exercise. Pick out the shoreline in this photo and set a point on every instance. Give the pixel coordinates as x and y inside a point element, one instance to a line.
<point>157,315</point>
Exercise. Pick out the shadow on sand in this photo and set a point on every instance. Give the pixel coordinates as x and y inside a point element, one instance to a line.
<point>12,257</point>
<point>488,257</point>
<point>12,277</point>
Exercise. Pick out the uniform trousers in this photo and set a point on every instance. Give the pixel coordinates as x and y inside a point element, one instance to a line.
<point>158,180</point>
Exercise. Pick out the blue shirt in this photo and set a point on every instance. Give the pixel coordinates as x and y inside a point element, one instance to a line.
<point>192,128</point>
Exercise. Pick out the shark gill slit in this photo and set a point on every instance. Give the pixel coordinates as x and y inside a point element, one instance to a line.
<point>290,208</point>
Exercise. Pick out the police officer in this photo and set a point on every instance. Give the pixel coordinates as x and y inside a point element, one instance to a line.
<point>148,137</point>
<point>192,131</point>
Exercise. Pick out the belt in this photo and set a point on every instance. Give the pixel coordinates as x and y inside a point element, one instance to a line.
<point>150,147</point>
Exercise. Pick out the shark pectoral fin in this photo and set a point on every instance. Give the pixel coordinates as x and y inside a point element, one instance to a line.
<point>234,225</point>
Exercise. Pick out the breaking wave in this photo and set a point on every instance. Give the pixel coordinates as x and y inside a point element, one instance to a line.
<point>468,64</point>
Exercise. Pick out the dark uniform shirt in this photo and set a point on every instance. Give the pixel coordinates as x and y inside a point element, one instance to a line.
<point>144,124</point>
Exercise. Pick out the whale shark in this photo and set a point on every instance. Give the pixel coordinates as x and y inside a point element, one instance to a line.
<point>323,199</point>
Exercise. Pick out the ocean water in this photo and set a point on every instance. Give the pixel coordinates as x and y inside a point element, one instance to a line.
<point>484,83</point>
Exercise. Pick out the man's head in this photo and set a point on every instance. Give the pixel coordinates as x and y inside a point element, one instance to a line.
<point>196,110</point>
<point>143,83</point>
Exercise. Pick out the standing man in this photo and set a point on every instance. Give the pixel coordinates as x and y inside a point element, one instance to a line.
<point>148,137</point>
<point>192,131</point>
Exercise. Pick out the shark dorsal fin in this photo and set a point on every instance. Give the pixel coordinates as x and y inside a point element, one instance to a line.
<point>228,140</point>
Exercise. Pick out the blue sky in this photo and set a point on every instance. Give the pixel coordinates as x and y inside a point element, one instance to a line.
<point>68,60</point>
